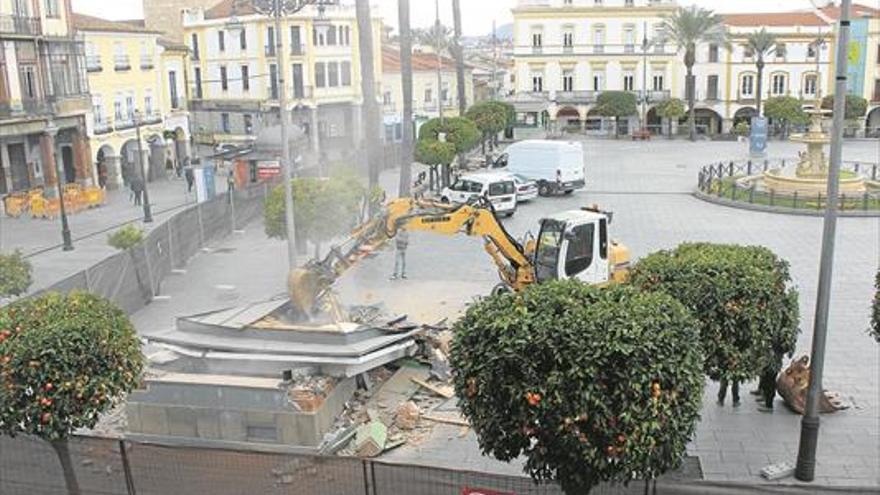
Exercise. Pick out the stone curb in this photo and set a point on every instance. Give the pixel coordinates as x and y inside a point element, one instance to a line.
<point>709,198</point>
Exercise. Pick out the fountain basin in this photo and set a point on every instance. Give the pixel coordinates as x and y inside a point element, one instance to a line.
<point>778,182</point>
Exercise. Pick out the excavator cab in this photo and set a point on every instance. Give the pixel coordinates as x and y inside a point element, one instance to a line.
<point>573,245</point>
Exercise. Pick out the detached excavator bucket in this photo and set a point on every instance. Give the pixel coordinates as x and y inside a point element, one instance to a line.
<point>303,288</point>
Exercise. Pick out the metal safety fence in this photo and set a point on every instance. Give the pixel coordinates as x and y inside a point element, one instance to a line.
<point>731,181</point>
<point>104,466</point>
<point>133,278</point>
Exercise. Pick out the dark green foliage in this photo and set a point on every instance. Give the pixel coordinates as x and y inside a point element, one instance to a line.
<point>875,314</point>
<point>460,131</point>
<point>64,360</point>
<point>786,110</point>
<point>126,238</point>
<point>616,104</point>
<point>429,152</point>
<point>741,296</point>
<point>490,117</point>
<point>15,275</point>
<point>323,208</point>
<point>588,384</point>
<point>856,106</point>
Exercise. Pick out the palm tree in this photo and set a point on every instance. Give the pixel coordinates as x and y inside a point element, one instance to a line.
<point>760,43</point>
<point>688,27</point>
<point>370,114</point>
<point>439,37</point>
<point>459,58</point>
<point>406,75</point>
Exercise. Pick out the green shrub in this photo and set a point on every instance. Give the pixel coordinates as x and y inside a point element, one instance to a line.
<point>856,106</point>
<point>588,384</point>
<point>126,238</point>
<point>460,131</point>
<point>434,152</point>
<point>742,129</point>
<point>740,295</point>
<point>875,314</point>
<point>15,275</point>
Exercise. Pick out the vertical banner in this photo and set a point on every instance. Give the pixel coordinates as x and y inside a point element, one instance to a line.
<point>204,181</point>
<point>758,139</point>
<point>856,56</point>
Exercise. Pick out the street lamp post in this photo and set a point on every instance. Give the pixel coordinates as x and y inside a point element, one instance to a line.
<point>148,213</point>
<point>277,9</point>
<point>51,131</point>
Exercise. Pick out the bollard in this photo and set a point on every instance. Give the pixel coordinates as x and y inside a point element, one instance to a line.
<point>749,169</point>
<point>730,173</point>
<point>795,199</point>
<point>766,164</point>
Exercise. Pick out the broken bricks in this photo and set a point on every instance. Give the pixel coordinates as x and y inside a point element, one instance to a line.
<point>407,417</point>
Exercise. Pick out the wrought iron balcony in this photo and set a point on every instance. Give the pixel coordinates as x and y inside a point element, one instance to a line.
<point>14,24</point>
<point>121,63</point>
<point>93,63</point>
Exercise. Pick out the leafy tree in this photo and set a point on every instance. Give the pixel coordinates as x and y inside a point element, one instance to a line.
<point>616,104</point>
<point>742,129</point>
<point>64,360</point>
<point>760,43</point>
<point>688,27</point>
<point>126,238</point>
<point>786,110</point>
<point>856,106</point>
<point>325,208</point>
<point>741,296</point>
<point>15,275</point>
<point>490,118</point>
<point>875,316</point>
<point>460,131</point>
<point>430,152</point>
<point>671,109</point>
<point>588,384</point>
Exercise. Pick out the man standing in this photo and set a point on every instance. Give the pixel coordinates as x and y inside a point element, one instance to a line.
<point>137,189</point>
<point>401,242</point>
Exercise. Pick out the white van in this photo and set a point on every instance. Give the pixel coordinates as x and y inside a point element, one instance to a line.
<point>556,166</point>
<point>498,188</point>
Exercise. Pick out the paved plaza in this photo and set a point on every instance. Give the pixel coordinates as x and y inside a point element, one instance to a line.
<point>648,187</point>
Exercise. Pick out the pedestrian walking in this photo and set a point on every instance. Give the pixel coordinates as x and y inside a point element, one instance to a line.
<point>401,242</point>
<point>734,391</point>
<point>190,179</point>
<point>137,189</point>
<point>766,391</point>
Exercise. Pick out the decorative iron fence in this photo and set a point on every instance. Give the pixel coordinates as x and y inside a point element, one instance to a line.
<point>725,180</point>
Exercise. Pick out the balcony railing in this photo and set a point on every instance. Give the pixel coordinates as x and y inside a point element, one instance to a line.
<point>592,49</point>
<point>270,50</point>
<point>298,49</point>
<point>29,107</point>
<point>93,63</point>
<point>302,93</point>
<point>13,24</point>
<point>121,62</point>
<point>576,96</point>
<point>103,126</point>
<point>147,63</point>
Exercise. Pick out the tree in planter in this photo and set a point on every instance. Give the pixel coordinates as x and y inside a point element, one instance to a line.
<point>589,384</point>
<point>490,118</point>
<point>671,109</point>
<point>461,132</point>
<point>325,208</point>
<point>64,360</point>
<point>786,110</point>
<point>616,104</point>
<point>856,108</point>
<point>747,310</point>
<point>15,275</point>
<point>875,313</point>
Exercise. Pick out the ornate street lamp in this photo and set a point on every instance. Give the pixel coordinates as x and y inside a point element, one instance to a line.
<point>277,9</point>
<point>51,131</point>
<point>148,214</point>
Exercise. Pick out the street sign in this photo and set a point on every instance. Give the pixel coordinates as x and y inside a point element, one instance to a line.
<point>481,491</point>
<point>758,139</point>
<point>267,170</point>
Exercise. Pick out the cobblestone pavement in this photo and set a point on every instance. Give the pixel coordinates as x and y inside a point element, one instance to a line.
<point>40,240</point>
<point>648,186</point>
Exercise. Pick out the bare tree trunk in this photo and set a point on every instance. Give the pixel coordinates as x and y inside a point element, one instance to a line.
<point>459,58</point>
<point>406,148</point>
<point>62,449</point>
<point>760,88</point>
<point>692,97</point>
<point>368,90</point>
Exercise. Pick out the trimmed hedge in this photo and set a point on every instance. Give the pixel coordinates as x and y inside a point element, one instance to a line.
<point>588,384</point>
<point>15,275</point>
<point>742,297</point>
<point>126,238</point>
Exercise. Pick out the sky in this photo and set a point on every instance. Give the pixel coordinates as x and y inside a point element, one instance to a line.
<point>477,15</point>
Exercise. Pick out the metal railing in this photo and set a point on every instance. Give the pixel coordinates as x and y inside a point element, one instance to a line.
<point>147,63</point>
<point>121,62</point>
<point>270,50</point>
<point>592,48</point>
<point>102,126</point>
<point>298,49</point>
<point>724,180</point>
<point>302,93</point>
<point>93,63</point>
<point>14,24</point>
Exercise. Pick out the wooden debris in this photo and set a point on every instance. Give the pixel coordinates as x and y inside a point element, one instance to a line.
<point>370,439</point>
<point>445,392</point>
<point>446,420</point>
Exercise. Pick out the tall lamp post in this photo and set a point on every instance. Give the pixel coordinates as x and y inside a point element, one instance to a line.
<point>148,212</point>
<point>51,131</point>
<point>277,9</point>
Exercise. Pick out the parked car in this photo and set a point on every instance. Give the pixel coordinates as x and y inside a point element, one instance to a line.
<point>526,190</point>
<point>499,189</point>
<point>556,166</point>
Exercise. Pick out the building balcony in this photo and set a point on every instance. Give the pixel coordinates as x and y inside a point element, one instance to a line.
<point>93,63</point>
<point>270,50</point>
<point>147,63</point>
<point>121,63</point>
<point>298,50</point>
<point>652,96</point>
<point>26,26</point>
<point>576,97</point>
<point>102,127</point>
<point>302,93</point>
<point>592,50</point>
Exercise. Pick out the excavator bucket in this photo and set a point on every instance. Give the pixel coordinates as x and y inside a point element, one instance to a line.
<point>303,287</point>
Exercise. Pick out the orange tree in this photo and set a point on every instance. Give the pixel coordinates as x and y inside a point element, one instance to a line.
<point>64,360</point>
<point>741,296</point>
<point>589,384</point>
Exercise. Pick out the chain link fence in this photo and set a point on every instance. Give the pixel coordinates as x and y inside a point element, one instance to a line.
<point>726,181</point>
<point>103,466</point>
<point>133,278</point>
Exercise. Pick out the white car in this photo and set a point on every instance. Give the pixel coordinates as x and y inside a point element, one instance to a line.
<point>526,190</point>
<point>499,189</point>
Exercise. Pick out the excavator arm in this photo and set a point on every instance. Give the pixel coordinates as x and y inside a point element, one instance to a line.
<point>308,285</point>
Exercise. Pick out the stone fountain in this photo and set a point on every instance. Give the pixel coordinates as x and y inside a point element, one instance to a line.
<point>811,174</point>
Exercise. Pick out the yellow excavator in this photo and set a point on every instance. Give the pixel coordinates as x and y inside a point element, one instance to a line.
<point>570,245</point>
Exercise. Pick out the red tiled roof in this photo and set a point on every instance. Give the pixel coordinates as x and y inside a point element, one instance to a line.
<point>420,61</point>
<point>774,19</point>
<point>226,8</point>
<point>83,22</point>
